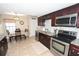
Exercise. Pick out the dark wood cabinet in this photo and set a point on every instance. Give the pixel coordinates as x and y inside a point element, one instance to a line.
<point>73,50</point>
<point>3,46</point>
<point>77,21</point>
<point>53,19</point>
<point>41,19</point>
<point>41,22</point>
<point>45,40</point>
<point>65,11</point>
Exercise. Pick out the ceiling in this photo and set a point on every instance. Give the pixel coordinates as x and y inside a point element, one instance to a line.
<point>37,8</point>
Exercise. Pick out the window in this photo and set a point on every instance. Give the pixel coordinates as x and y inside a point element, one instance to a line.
<point>10,27</point>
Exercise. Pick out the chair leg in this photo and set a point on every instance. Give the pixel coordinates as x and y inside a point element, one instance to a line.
<point>10,39</point>
<point>20,37</point>
<point>16,38</point>
<point>25,37</point>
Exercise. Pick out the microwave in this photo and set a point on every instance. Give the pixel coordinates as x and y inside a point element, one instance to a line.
<point>67,20</point>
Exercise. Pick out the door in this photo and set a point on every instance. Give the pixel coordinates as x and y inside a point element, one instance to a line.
<point>33,26</point>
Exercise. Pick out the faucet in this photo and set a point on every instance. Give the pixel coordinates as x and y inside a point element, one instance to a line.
<point>46,29</point>
<point>55,31</point>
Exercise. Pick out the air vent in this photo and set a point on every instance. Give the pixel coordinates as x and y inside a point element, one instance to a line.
<point>34,18</point>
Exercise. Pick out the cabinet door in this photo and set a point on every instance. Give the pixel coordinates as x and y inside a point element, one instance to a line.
<point>3,47</point>
<point>41,21</point>
<point>47,41</point>
<point>78,21</point>
<point>41,38</point>
<point>44,39</point>
<point>53,20</point>
<point>74,50</point>
<point>2,51</point>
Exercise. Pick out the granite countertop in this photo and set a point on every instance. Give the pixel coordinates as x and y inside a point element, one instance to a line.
<point>1,37</point>
<point>75,42</point>
<point>44,32</point>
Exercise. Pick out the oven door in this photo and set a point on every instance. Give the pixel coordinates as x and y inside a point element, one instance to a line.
<point>59,47</point>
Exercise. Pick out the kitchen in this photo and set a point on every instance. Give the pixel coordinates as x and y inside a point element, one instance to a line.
<point>55,33</point>
<point>64,39</point>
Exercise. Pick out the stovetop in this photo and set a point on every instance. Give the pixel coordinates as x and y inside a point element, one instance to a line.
<point>65,38</point>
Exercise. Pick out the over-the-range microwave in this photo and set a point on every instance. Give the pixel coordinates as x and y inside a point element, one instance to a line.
<point>67,20</point>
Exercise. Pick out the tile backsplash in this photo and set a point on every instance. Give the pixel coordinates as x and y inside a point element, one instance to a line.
<point>41,28</point>
<point>74,29</point>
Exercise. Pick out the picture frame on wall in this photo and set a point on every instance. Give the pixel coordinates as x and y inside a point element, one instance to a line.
<point>22,22</point>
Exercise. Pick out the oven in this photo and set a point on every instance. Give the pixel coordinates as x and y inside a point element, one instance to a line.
<point>58,47</point>
<point>59,44</point>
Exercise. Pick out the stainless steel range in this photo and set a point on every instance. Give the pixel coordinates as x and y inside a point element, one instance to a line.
<point>59,43</point>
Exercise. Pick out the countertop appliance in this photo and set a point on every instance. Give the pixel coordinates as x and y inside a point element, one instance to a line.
<point>59,43</point>
<point>67,20</point>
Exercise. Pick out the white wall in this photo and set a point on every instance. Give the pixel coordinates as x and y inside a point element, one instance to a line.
<point>25,25</point>
<point>17,20</point>
<point>32,25</point>
<point>2,29</point>
<point>2,26</point>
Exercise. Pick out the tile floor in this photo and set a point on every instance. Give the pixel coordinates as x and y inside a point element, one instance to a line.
<point>27,47</point>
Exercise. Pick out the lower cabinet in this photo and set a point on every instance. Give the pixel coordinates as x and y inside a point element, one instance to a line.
<point>3,46</point>
<point>74,50</point>
<point>45,40</point>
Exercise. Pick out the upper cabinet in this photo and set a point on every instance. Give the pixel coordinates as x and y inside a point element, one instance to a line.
<point>66,11</point>
<point>41,19</point>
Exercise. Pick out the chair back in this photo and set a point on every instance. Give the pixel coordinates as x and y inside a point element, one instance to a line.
<point>18,32</point>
